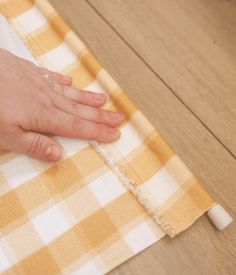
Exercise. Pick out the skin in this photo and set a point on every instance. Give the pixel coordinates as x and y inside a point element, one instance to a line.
<point>33,107</point>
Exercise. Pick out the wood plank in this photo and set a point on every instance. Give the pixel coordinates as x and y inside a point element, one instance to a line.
<point>206,157</point>
<point>191,46</point>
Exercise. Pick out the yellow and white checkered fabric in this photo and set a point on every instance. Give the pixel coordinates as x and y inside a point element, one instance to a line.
<point>101,204</point>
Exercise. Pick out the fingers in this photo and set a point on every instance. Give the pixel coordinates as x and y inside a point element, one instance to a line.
<point>62,79</point>
<point>38,146</point>
<point>60,84</point>
<point>81,96</point>
<point>67,125</point>
<point>112,119</point>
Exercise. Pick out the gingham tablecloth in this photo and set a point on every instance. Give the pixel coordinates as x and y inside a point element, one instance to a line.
<point>101,204</point>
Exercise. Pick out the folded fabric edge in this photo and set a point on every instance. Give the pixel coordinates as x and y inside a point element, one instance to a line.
<point>164,220</point>
<point>167,219</point>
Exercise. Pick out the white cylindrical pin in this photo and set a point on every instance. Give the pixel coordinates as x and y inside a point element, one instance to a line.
<point>219,216</point>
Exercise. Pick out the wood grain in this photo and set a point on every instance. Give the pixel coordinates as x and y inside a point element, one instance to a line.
<point>191,47</point>
<point>201,249</point>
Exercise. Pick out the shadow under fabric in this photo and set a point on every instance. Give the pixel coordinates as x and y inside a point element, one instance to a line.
<point>101,204</point>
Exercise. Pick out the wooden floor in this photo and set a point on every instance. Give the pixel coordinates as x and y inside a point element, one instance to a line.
<point>177,61</point>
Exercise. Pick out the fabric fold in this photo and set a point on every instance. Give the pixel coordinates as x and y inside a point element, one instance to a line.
<point>107,202</point>
<point>187,189</point>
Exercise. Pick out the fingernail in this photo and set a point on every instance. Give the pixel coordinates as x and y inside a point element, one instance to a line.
<point>114,133</point>
<point>54,153</point>
<point>117,116</point>
<point>99,97</point>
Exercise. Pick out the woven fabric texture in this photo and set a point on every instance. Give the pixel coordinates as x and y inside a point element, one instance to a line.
<point>101,204</point>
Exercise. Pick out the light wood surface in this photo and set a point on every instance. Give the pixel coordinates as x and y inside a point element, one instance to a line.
<point>177,61</point>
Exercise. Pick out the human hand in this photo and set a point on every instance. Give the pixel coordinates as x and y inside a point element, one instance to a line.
<point>35,102</point>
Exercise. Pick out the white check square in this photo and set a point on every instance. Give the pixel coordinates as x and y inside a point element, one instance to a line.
<point>129,140</point>
<point>107,188</point>
<point>18,170</point>
<point>87,269</point>
<point>59,58</point>
<point>31,20</point>
<point>51,224</point>
<point>94,87</point>
<point>72,145</point>
<point>162,185</point>
<point>140,237</point>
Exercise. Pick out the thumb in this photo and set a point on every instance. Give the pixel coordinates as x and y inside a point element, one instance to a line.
<point>39,146</point>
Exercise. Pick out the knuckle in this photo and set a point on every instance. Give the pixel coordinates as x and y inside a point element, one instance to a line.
<point>47,104</point>
<point>36,145</point>
<point>41,84</point>
<point>45,109</point>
